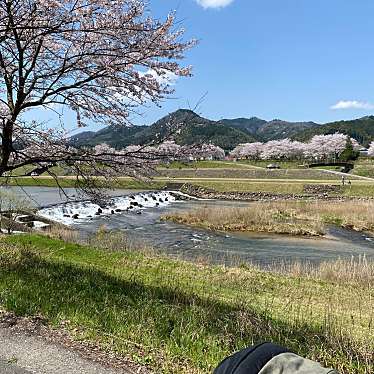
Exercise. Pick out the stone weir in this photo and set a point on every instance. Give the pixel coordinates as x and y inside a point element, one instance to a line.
<point>74,212</point>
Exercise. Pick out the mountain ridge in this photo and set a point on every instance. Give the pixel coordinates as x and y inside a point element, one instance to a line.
<point>226,133</point>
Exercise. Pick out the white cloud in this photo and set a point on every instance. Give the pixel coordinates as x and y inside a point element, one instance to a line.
<point>214,3</point>
<point>166,78</point>
<point>352,104</point>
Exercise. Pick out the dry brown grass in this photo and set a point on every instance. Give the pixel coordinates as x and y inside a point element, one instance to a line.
<point>283,217</point>
<point>358,270</point>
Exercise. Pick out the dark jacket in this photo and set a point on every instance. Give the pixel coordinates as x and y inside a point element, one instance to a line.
<point>268,358</point>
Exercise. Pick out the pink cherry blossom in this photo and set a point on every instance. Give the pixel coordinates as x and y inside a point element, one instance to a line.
<point>101,59</point>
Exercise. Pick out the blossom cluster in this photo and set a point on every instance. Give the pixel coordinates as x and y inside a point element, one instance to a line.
<point>168,150</point>
<point>320,147</point>
<point>371,149</point>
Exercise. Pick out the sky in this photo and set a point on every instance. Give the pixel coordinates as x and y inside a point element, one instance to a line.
<point>297,60</point>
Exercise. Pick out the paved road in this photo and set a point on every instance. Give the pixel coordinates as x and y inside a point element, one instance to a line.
<point>24,354</point>
<point>348,176</point>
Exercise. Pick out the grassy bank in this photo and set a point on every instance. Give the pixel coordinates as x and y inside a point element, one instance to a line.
<point>291,217</point>
<point>252,173</point>
<point>177,317</point>
<point>71,182</point>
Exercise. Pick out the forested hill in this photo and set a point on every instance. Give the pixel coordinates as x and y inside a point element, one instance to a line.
<point>361,129</point>
<point>269,130</point>
<point>226,133</point>
<point>194,128</point>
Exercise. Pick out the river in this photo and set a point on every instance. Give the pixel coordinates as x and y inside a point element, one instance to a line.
<point>191,243</point>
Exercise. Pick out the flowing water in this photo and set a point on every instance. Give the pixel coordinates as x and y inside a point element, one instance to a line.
<point>138,216</point>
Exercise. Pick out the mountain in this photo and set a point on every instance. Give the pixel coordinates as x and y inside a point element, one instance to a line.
<point>278,129</point>
<point>197,129</point>
<point>193,129</point>
<point>227,133</point>
<point>361,129</point>
<point>269,130</point>
<point>248,125</point>
<point>115,136</point>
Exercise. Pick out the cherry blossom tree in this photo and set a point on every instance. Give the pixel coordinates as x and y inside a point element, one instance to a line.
<point>319,148</point>
<point>100,59</point>
<point>211,152</point>
<point>169,150</point>
<point>371,149</point>
<point>250,151</point>
<point>326,147</point>
<point>284,149</point>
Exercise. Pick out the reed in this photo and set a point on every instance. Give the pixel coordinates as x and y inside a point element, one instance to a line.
<point>282,217</point>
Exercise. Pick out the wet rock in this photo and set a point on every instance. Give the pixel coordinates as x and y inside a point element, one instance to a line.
<point>118,210</point>
<point>139,212</point>
<point>160,200</point>
<point>112,211</point>
<point>67,215</point>
<point>75,216</point>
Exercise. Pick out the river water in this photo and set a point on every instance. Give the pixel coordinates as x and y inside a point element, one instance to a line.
<point>190,243</point>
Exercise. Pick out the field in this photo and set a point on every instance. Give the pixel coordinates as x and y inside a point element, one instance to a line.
<point>249,173</point>
<point>178,317</point>
<point>286,183</point>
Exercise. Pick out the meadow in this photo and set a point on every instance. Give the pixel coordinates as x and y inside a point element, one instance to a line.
<point>177,317</point>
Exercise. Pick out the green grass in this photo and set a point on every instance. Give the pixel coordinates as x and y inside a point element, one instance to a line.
<point>251,173</point>
<point>252,186</point>
<point>357,189</point>
<point>282,164</point>
<point>204,165</point>
<point>364,170</point>
<point>122,183</point>
<point>177,317</point>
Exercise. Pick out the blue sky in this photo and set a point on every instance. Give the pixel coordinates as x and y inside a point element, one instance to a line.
<point>289,59</point>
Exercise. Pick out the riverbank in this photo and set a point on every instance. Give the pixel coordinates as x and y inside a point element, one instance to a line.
<point>178,317</point>
<point>282,217</point>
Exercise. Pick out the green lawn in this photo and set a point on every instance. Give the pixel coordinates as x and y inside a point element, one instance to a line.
<point>204,165</point>
<point>281,186</point>
<point>178,317</point>
<point>282,164</point>
<point>122,183</point>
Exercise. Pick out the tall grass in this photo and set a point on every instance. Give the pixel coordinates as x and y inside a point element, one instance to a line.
<point>282,217</point>
<point>358,269</point>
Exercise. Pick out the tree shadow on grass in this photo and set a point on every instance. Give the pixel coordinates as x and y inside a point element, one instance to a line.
<point>165,319</point>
